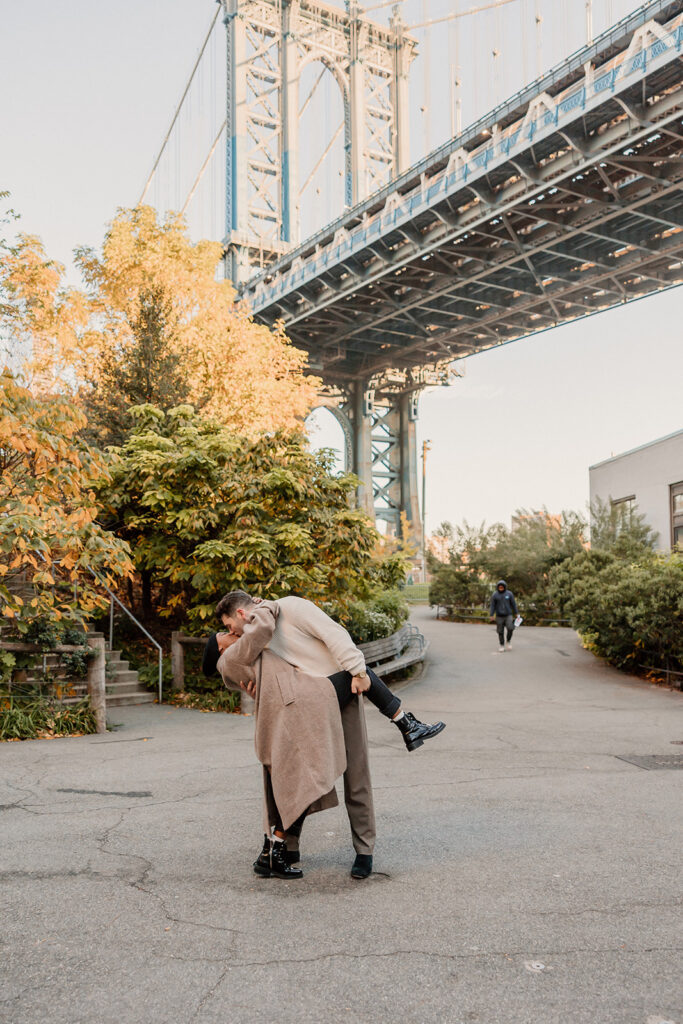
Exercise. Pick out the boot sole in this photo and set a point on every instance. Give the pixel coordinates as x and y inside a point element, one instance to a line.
<point>267,873</point>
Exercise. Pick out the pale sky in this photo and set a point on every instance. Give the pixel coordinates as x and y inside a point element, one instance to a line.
<point>88,92</point>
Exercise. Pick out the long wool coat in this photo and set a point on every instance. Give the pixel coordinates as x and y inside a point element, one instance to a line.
<point>298,737</point>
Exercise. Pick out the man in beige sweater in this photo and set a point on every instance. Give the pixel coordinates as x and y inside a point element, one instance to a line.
<point>311,641</point>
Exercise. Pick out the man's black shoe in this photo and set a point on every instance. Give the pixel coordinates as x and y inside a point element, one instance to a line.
<point>362,865</point>
<point>263,865</point>
<point>416,732</point>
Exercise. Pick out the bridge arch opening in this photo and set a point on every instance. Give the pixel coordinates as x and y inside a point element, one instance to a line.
<point>322,162</point>
<point>325,429</point>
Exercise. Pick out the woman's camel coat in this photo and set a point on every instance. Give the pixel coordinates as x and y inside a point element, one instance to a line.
<point>299,737</point>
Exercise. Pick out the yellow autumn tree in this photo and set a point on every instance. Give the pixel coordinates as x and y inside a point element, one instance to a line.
<point>243,373</point>
<point>51,537</point>
<point>40,316</point>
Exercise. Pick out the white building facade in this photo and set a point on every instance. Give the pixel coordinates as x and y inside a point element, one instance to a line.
<point>649,478</point>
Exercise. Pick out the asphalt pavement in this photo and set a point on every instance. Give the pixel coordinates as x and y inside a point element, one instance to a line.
<point>525,872</point>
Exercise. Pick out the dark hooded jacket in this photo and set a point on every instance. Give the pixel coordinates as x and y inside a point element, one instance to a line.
<point>503,604</point>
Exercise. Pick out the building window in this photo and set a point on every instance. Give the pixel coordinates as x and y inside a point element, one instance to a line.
<point>624,509</point>
<point>677,515</point>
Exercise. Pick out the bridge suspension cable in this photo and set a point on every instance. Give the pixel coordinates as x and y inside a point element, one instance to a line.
<point>202,169</point>
<point>179,107</point>
<point>459,14</point>
<point>329,146</point>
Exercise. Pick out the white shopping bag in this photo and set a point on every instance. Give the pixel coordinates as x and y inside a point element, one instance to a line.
<point>518,621</point>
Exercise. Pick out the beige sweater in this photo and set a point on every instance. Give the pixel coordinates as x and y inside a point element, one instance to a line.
<point>309,639</point>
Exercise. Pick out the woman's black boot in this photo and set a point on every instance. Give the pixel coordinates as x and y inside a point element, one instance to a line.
<point>279,868</point>
<point>262,862</point>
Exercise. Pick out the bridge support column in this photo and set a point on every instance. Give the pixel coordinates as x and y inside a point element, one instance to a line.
<point>361,411</point>
<point>383,453</point>
<point>409,474</point>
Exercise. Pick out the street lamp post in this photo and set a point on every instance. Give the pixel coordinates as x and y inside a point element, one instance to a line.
<point>426,446</point>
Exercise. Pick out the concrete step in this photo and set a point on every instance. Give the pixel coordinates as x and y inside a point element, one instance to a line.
<point>122,686</point>
<point>119,697</point>
<point>130,687</point>
<point>38,680</point>
<point>126,675</point>
<point>130,698</point>
<point>119,666</point>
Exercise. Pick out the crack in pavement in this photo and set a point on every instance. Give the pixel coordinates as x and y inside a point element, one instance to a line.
<point>494,778</point>
<point>109,792</point>
<point>139,882</point>
<point>184,920</point>
<point>430,954</point>
<point>210,992</point>
<point>64,810</point>
<point>632,908</point>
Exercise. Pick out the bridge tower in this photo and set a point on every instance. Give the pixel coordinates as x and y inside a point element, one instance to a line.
<point>269,43</point>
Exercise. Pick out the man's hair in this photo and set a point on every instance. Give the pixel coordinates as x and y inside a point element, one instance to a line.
<point>229,604</point>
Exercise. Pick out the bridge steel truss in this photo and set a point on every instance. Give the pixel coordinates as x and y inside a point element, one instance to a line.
<point>269,42</point>
<point>565,201</point>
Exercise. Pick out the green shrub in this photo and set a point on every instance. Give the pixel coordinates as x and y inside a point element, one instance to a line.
<point>7,665</point>
<point>380,616</point>
<point>627,612</point>
<point>148,673</point>
<point>30,718</point>
<point>218,700</point>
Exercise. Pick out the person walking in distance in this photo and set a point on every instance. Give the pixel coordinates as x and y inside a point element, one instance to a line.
<point>503,609</point>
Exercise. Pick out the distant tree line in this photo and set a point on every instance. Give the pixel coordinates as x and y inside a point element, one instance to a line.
<point>602,576</point>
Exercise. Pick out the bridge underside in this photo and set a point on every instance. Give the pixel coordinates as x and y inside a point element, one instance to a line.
<point>586,215</point>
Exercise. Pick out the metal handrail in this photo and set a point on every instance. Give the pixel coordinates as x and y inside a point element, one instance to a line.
<point>130,615</point>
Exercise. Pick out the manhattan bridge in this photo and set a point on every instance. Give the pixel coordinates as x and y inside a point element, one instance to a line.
<point>561,201</point>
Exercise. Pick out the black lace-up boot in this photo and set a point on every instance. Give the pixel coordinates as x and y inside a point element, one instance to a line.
<point>262,862</point>
<point>279,868</point>
<point>416,732</point>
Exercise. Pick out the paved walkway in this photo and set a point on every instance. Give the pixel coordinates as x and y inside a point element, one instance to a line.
<point>525,874</point>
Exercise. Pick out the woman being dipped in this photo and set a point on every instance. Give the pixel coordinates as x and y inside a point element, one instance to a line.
<point>298,736</point>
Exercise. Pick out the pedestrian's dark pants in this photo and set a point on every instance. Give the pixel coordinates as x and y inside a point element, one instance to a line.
<point>504,622</point>
<point>379,693</point>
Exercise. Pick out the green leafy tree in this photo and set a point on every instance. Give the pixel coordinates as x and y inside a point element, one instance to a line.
<point>619,528</point>
<point>143,368</point>
<point>523,556</point>
<point>205,512</point>
<point>452,586</point>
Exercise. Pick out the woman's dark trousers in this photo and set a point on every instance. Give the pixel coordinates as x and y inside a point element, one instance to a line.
<point>379,693</point>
